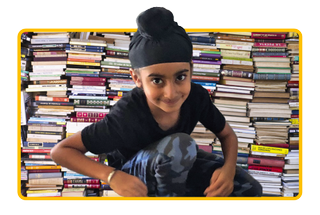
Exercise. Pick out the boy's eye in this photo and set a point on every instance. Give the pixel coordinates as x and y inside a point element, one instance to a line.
<point>157,81</point>
<point>181,77</point>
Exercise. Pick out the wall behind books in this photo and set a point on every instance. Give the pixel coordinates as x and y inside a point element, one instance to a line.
<point>202,14</point>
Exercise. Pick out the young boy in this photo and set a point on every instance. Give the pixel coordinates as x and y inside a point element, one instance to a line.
<point>146,134</point>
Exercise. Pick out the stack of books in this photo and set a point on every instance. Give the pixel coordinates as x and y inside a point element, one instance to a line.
<point>235,50</point>
<point>26,56</point>
<point>116,66</point>
<point>265,164</point>
<point>206,60</point>
<point>87,88</point>
<point>203,137</point>
<point>235,88</point>
<point>44,179</point>
<point>290,176</point>
<point>72,179</point>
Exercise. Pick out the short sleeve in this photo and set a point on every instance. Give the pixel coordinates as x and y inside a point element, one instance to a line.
<point>101,137</point>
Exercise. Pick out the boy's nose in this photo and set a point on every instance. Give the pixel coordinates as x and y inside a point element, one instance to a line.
<point>170,91</point>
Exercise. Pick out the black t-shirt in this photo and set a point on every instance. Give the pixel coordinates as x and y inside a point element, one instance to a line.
<point>130,126</point>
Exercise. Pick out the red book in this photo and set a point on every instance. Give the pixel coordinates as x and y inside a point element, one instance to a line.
<point>53,99</point>
<point>75,78</point>
<point>266,168</point>
<point>253,55</point>
<point>82,119</point>
<point>274,45</point>
<point>265,162</point>
<point>268,35</point>
<point>81,181</point>
<point>280,145</point>
<point>294,115</point>
<point>35,150</point>
<point>83,60</point>
<point>94,186</point>
<point>206,78</point>
<point>90,114</point>
<point>43,170</point>
<point>40,156</point>
<point>88,83</point>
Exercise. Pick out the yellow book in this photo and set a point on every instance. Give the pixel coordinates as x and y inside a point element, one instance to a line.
<point>83,63</point>
<point>42,167</point>
<point>42,191</point>
<point>269,149</point>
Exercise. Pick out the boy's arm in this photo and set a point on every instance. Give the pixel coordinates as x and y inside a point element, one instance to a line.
<point>221,183</point>
<point>70,153</point>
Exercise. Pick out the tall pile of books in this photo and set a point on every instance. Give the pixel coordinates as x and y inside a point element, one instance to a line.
<point>206,60</point>
<point>235,89</point>
<point>269,110</point>
<point>290,178</point>
<point>51,108</point>
<point>116,67</point>
<point>88,89</point>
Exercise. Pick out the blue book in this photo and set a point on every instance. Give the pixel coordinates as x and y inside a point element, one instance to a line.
<point>81,74</point>
<point>202,39</point>
<point>205,83</point>
<point>47,119</point>
<point>45,175</point>
<point>36,144</point>
<point>85,47</point>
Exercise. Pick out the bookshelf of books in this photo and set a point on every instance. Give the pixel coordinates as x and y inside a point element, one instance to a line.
<point>72,79</point>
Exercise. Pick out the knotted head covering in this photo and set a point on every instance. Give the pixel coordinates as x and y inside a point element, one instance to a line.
<point>159,39</point>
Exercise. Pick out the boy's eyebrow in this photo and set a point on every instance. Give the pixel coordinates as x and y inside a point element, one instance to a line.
<point>161,76</point>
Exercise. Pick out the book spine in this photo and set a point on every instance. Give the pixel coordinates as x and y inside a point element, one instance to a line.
<point>262,76</point>
<point>195,77</point>
<point>268,149</point>
<point>233,73</point>
<point>35,150</point>
<point>261,35</point>
<point>87,83</point>
<point>90,115</point>
<point>88,79</point>
<point>258,49</point>
<point>266,168</point>
<point>117,53</point>
<point>90,102</point>
<point>81,181</point>
<point>265,162</point>
<point>280,45</point>
<point>53,99</point>
<point>42,167</point>
<point>202,39</point>
<point>93,186</point>
<point>54,103</point>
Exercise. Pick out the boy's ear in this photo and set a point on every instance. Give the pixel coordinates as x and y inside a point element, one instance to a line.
<point>135,77</point>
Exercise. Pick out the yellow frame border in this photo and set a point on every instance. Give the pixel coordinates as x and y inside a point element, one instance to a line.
<point>158,198</point>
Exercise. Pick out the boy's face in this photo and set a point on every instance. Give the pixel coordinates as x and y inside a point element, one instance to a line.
<point>166,85</point>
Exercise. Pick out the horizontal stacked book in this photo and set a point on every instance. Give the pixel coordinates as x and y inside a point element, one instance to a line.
<point>235,89</point>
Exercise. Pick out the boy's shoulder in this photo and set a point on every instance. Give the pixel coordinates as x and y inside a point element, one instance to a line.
<point>133,100</point>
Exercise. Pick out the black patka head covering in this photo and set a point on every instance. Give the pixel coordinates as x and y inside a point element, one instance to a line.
<point>159,39</point>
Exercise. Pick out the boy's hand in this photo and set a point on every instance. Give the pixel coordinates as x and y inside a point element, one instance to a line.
<point>221,183</point>
<point>128,185</point>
